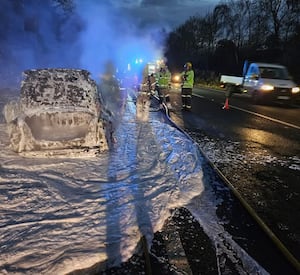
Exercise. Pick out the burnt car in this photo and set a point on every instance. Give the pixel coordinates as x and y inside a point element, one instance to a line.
<point>58,110</point>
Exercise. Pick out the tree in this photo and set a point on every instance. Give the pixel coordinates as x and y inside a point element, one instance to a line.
<point>226,57</point>
<point>193,41</point>
<point>230,17</point>
<point>276,10</point>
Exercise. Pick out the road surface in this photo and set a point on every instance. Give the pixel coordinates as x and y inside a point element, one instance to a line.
<point>257,148</point>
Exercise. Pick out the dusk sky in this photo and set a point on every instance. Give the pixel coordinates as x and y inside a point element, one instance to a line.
<point>167,13</point>
<point>118,30</point>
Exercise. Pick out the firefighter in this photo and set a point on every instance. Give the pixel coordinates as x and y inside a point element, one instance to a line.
<point>187,86</point>
<point>109,87</point>
<point>112,97</point>
<point>163,83</point>
<point>148,82</point>
<point>147,88</point>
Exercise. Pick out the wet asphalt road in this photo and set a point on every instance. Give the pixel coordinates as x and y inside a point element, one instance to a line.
<point>257,148</point>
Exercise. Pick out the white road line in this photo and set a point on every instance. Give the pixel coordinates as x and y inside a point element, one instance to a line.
<point>260,115</point>
<point>266,117</point>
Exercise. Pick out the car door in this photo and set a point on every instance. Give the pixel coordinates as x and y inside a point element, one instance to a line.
<point>248,79</point>
<point>251,81</point>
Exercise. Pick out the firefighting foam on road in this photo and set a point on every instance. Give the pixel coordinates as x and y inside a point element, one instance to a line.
<point>68,214</point>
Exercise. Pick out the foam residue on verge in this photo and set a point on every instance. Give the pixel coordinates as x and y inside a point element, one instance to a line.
<point>60,215</point>
<point>66,214</point>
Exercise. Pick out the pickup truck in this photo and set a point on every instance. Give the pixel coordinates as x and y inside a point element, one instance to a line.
<point>263,82</point>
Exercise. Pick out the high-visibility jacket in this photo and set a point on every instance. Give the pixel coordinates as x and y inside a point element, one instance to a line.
<point>187,79</point>
<point>164,79</point>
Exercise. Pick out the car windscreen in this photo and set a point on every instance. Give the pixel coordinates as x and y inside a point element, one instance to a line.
<point>274,73</point>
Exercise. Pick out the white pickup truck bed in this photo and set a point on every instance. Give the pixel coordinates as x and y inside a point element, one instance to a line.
<point>237,80</point>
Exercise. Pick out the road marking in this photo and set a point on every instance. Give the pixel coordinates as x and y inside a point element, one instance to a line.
<point>266,117</point>
<point>259,115</point>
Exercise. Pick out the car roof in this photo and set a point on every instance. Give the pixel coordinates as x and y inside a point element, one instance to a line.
<point>269,65</point>
<point>59,88</point>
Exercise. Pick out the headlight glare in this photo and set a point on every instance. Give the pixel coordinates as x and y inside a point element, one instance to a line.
<point>267,88</point>
<point>295,90</point>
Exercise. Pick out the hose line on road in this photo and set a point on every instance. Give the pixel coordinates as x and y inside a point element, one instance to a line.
<point>148,269</point>
<point>288,255</point>
<point>260,222</point>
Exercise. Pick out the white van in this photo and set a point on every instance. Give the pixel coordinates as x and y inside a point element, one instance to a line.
<point>264,82</point>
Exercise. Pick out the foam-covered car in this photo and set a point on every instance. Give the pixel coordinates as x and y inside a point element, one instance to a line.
<point>59,111</point>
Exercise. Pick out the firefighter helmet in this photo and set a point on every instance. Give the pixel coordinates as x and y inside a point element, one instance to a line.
<point>188,65</point>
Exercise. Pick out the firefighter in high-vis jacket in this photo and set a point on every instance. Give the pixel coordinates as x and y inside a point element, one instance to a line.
<point>163,85</point>
<point>187,86</point>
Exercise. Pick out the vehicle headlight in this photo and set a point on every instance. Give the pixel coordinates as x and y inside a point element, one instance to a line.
<point>295,90</point>
<point>176,77</point>
<point>267,88</point>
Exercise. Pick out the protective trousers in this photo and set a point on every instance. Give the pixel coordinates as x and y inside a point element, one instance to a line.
<point>163,93</point>
<point>186,97</point>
